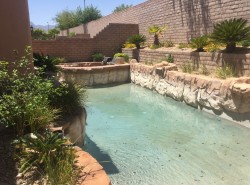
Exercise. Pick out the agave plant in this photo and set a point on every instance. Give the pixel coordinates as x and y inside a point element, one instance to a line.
<point>156,31</point>
<point>230,32</point>
<point>199,43</point>
<point>137,39</point>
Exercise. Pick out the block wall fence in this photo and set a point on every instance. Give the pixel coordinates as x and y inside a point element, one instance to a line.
<point>209,59</point>
<point>185,19</point>
<point>107,42</point>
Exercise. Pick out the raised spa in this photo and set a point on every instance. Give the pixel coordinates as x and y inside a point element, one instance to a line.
<point>143,138</point>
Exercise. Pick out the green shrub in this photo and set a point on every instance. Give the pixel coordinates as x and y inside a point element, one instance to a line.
<point>129,45</point>
<point>204,70</point>
<point>187,67</point>
<point>125,56</point>
<point>49,155</point>
<point>230,32</point>
<point>137,39</point>
<point>225,71</point>
<point>199,43</point>
<point>170,58</point>
<point>72,34</point>
<point>213,46</point>
<point>168,44</point>
<point>245,43</point>
<point>154,46</point>
<point>97,57</point>
<point>47,63</point>
<point>183,45</point>
<point>67,97</point>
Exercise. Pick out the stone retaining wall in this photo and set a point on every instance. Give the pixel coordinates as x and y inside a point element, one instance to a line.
<point>227,98</point>
<point>96,75</point>
<point>209,59</point>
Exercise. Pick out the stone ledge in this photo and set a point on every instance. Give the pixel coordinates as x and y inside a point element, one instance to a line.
<point>92,172</point>
<point>231,96</point>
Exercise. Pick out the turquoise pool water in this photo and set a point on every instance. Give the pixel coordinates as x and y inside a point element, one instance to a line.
<point>142,138</point>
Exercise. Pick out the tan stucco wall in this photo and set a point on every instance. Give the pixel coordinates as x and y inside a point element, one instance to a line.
<point>15,28</point>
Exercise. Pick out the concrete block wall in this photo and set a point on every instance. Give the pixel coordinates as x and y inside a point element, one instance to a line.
<point>209,59</point>
<point>185,18</point>
<point>108,42</point>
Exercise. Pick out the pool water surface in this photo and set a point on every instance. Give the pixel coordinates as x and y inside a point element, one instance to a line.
<point>143,138</point>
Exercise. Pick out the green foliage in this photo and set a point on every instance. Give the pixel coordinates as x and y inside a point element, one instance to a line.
<point>123,55</point>
<point>225,71</point>
<point>199,43</point>
<point>49,155</point>
<point>129,45</point>
<point>156,31</point>
<point>67,97</point>
<point>121,7</point>
<point>168,44</point>
<point>213,47</point>
<point>137,39</point>
<point>72,34</point>
<point>38,34</point>
<point>68,19</point>
<point>24,101</point>
<point>183,45</point>
<point>187,67</point>
<point>154,46</point>
<point>97,57</point>
<point>170,58</point>
<point>52,33</point>
<point>47,63</point>
<point>231,31</point>
<point>245,43</point>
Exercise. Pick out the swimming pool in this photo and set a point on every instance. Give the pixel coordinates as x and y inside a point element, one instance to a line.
<point>143,138</point>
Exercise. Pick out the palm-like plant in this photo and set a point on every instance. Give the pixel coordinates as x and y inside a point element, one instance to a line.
<point>199,43</point>
<point>230,32</point>
<point>156,31</point>
<point>137,39</point>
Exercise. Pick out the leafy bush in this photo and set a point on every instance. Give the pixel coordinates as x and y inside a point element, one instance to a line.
<point>225,71</point>
<point>72,34</point>
<point>123,55</point>
<point>38,34</point>
<point>170,58</point>
<point>154,46</point>
<point>45,62</point>
<point>156,31</point>
<point>49,155</point>
<point>67,97</point>
<point>245,43</point>
<point>199,43</point>
<point>183,45</point>
<point>168,44</point>
<point>129,45</point>
<point>121,7</point>
<point>97,57</point>
<point>137,39</point>
<point>213,46</point>
<point>231,31</point>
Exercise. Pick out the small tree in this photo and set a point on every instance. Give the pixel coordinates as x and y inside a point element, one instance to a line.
<point>53,32</point>
<point>39,34</point>
<point>121,7</point>
<point>230,32</point>
<point>90,13</point>
<point>156,31</point>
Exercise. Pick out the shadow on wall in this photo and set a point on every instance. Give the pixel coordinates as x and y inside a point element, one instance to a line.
<point>196,15</point>
<point>103,158</point>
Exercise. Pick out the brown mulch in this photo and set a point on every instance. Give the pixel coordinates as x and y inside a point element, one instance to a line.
<point>8,171</point>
